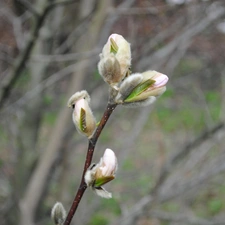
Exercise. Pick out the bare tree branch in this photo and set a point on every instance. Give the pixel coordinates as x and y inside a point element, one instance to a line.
<point>22,59</point>
<point>189,219</point>
<point>29,7</point>
<point>138,208</point>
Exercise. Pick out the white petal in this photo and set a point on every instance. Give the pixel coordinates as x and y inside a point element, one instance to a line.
<point>102,192</point>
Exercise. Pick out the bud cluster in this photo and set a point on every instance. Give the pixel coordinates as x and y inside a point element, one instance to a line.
<point>138,89</point>
<point>126,88</point>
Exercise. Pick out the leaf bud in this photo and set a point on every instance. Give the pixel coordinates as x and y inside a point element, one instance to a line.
<point>153,84</point>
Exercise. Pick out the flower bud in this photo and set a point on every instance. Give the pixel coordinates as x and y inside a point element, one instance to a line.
<point>58,213</point>
<point>118,48</point>
<point>102,173</point>
<point>152,84</point>
<point>82,115</point>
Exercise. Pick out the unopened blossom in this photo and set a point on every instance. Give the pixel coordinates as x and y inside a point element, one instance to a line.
<point>101,173</point>
<point>82,115</point>
<point>115,60</point>
<point>151,84</point>
<point>58,213</point>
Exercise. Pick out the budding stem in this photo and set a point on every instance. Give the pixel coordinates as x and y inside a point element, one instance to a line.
<point>91,147</point>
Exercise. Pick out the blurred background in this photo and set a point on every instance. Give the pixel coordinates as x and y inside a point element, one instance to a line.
<point>171,155</point>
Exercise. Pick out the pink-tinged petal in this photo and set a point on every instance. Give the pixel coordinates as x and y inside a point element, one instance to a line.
<point>109,163</point>
<point>160,80</point>
<point>79,104</point>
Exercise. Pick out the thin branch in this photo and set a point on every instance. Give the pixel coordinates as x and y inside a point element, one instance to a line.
<point>60,3</point>
<point>66,57</point>
<point>91,147</point>
<point>190,219</point>
<point>184,152</point>
<point>29,7</point>
<point>20,63</point>
<point>137,11</point>
<point>142,204</point>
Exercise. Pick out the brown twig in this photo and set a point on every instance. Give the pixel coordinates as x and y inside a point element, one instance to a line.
<point>91,147</point>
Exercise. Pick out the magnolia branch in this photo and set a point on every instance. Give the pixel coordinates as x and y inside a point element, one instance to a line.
<point>91,147</point>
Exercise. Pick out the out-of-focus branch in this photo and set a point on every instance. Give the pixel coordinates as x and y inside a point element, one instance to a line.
<point>183,153</point>
<point>159,57</point>
<point>39,177</point>
<point>45,84</point>
<point>66,57</point>
<point>136,11</point>
<point>58,3</point>
<point>139,207</point>
<point>20,63</point>
<point>29,7</point>
<point>184,218</point>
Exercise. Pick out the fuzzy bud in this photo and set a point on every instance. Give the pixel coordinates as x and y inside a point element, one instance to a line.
<point>58,213</point>
<point>101,173</point>
<point>117,52</point>
<point>109,68</point>
<point>153,84</point>
<point>82,115</point>
<point>128,85</point>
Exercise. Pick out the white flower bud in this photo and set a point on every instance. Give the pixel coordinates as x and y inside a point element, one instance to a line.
<point>101,173</point>
<point>82,115</point>
<point>118,48</point>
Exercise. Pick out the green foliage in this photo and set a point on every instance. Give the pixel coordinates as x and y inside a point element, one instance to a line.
<point>210,202</point>
<point>185,113</point>
<point>3,135</point>
<point>23,80</point>
<point>171,207</point>
<point>98,219</point>
<point>97,76</point>
<point>143,183</point>
<point>189,65</point>
<point>215,206</point>
<point>213,99</point>
<point>169,93</point>
<point>106,136</point>
<point>50,117</point>
<point>47,99</point>
<point>127,164</point>
<point>112,206</point>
